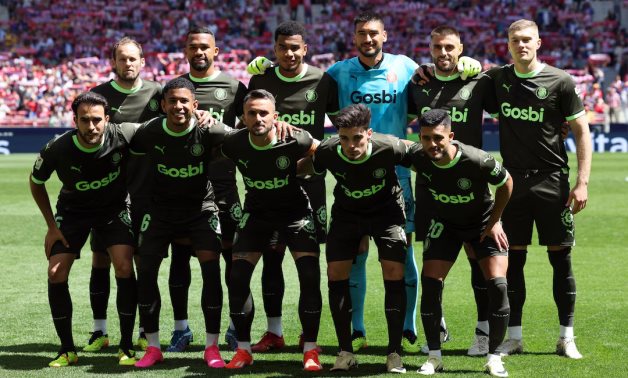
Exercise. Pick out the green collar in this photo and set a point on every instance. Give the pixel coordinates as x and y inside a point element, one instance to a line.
<point>204,79</point>
<point>531,73</point>
<point>447,78</point>
<point>85,149</point>
<point>369,151</point>
<point>266,147</point>
<point>291,79</point>
<point>118,88</point>
<point>451,163</point>
<point>175,134</point>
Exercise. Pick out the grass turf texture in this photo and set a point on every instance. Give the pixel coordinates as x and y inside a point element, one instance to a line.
<point>28,340</point>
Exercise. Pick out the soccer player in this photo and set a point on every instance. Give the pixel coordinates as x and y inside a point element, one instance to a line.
<point>90,162</point>
<point>458,177</point>
<point>535,99</point>
<point>465,100</point>
<point>303,95</point>
<point>368,201</point>
<point>275,207</point>
<point>221,96</point>
<point>181,208</point>
<point>380,81</point>
<point>130,99</point>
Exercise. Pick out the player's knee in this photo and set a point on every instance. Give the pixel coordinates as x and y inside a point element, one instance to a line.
<point>498,293</point>
<point>392,270</point>
<point>431,289</point>
<point>100,260</point>
<point>124,269</point>
<point>241,272</point>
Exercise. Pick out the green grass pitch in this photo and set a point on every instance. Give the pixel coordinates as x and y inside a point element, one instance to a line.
<point>28,341</point>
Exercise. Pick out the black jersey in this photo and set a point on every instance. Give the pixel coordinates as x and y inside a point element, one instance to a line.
<point>139,104</point>
<point>92,179</point>
<point>222,96</point>
<point>365,186</point>
<point>464,100</point>
<point>269,173</point>
<point>460,189</point>
<point>180,166</point>
<point>532,109</point>
<point>303,100</point>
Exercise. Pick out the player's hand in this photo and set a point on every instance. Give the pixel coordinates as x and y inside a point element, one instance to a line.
<point>284,130</point>
<point>564,131</point>
<point>468,67</point>
<point>258,65</point>
<point>422,74</point>
<point>496,232</point>
<point>52,236</point>
<point>204,118</point>
<point>578,198</point>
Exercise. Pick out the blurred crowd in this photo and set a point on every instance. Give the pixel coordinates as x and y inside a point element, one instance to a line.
<point>54,49</point>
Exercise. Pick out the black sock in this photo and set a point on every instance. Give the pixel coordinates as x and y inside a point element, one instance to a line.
<point>149,298</point>
<point>564,285</point>
<point>179,280</point>
<point>499,311</point>
<point>273,285</point>
<point>99,287</point>
<point>395,308</point>
<point>431,311</point>
<point>478,283</point>
<point>211,296</point>
<point>310,299</point>
<point>516,285</point>
<point>126,301</point>
<point>340,306</point>
<point>239,292</point>
<point>61,310</point>
<point>227,254</point>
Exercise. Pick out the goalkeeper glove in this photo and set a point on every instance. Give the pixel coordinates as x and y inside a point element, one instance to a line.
<point>258,65</point>
<point>468,67</point>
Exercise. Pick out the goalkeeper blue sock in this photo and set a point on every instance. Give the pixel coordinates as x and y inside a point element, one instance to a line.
<point>357,286</point>
<point>411,279</point>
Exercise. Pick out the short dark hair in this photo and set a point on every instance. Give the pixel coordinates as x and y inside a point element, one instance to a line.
<point>444,30</point>
<point>356,115</point>
<point>178,83</point>
<point>290,28</point>
<point>435,117</point>
<point>124,41</point>
<point>90,98</point>
<point>259,94</point>
<point>367,16</point>
<point>200,30</point>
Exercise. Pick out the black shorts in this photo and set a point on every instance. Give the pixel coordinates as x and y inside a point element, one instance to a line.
<point>258,234</point>
<point>111,229</point>
<point>157,232</point>
<point>137,209</point>
<point>316,192</point>
<point>539,198</point>
<point>229,211</point>
<point>385,227</point>
<point>443,242</point>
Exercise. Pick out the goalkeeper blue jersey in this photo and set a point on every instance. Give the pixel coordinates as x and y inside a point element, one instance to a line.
<point>383,90</point>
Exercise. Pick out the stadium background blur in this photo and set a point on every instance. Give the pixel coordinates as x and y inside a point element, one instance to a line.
<point>54,49</point>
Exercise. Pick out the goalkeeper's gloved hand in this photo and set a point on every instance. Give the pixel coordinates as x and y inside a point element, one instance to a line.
<point>258,65</point>
<point>468,67</point>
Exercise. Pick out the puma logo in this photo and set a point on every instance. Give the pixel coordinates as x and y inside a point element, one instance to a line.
<point>341,175</point>
<point>428,177</point>
<point>161,149</point>
<point>75,168</point>
<point>426,91</point>
<point>244,163</point>
<point>507,87</point>
<point>117,110</point>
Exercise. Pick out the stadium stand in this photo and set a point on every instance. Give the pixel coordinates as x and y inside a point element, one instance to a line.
<point>54,49</point>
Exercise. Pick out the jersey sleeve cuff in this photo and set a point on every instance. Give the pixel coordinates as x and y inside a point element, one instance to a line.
<point>333,113</point>
<point>36,181</point>
<point>504,180</point>
<point>575,116</point>
<point>136,153</point>
<point>494,115</point>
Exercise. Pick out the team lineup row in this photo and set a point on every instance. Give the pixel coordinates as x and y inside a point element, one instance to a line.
<point>174,202</point>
